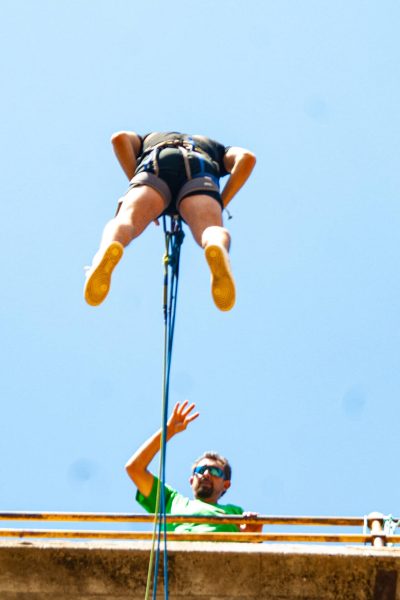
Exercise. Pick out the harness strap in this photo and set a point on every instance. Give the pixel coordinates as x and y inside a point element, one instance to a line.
<point>198,184</point>
<point>150,179</point>
<point>184,146</point>
<point>185,156</point>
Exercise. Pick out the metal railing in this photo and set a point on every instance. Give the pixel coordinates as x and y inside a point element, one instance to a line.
<point>374,529</point>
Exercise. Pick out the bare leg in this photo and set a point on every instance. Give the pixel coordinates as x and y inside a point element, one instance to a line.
<point>203,214</point>
<point>139,207</point>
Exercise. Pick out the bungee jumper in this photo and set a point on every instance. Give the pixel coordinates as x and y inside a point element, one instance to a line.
<point>210,479</point>
<point>173,174</point>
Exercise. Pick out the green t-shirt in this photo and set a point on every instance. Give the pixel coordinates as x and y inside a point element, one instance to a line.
<point>176,504</point>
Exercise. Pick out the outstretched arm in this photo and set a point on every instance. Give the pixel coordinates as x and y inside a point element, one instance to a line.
<point>136,466</point>
<point>126,146</point>
<point>239,163</point>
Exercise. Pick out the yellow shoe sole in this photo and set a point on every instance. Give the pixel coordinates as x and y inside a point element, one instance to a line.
<point>98,281</point>
<point>222,284</point>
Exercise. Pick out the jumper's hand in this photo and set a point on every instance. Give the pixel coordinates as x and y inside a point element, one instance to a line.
<point>180,418</point>
<point>251,528</point>
<point>156,222</point>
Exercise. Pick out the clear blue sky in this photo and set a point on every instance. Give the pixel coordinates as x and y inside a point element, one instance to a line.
<point>299,385</point>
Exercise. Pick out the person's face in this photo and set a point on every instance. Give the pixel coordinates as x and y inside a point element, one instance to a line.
<point>208,487</point>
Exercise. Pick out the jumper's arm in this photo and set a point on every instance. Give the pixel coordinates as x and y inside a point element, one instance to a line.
<point>126,146</point>
<point>239,163</point>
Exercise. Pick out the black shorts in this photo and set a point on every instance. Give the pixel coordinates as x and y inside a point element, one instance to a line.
<point>167,173</point>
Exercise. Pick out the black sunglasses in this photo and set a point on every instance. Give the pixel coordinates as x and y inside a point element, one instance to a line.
<point>214,471</point>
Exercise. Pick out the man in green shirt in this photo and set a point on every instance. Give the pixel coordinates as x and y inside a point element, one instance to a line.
<point>210,479</point>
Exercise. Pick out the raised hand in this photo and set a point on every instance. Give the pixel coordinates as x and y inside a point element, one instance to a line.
<point>180,418</point>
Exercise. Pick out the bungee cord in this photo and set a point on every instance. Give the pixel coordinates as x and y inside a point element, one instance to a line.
<point>173,242</point>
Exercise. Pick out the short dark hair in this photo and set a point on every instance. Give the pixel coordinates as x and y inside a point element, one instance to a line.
<point>218,458</point>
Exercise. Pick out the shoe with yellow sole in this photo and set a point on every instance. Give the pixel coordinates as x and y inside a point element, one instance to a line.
<point>222,284</point>
<point>98,280</point>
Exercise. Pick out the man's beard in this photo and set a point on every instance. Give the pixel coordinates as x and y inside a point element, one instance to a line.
<point>204,492</point>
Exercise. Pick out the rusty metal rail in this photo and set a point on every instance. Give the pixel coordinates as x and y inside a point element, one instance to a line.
<point>375,522</point>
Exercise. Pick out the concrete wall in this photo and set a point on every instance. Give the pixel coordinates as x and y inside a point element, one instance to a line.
<point>199,571</point>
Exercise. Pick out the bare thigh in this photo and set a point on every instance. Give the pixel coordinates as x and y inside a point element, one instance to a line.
<point>139,207</point>
<point>199,212</point>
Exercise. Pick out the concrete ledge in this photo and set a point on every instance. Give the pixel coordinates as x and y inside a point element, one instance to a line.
<point>203,571</point>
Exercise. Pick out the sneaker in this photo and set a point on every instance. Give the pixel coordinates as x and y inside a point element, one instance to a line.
<point>98,278</point>
<point>222,284</point>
